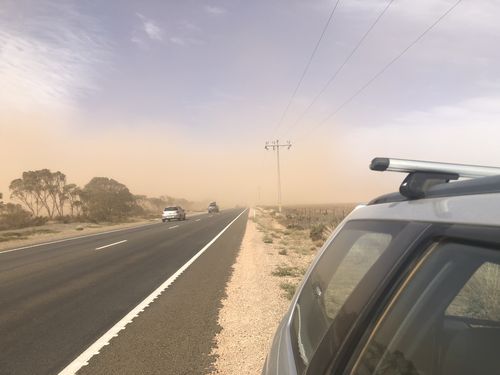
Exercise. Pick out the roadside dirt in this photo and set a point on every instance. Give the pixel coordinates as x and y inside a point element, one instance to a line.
<point>258,293</point>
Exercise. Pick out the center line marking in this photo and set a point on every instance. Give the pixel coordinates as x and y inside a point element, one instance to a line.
<point>175,226</point>
<point>84,358</point>
<point>111,244</point>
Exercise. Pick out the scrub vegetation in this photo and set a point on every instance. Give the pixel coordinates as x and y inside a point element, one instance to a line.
<point>296,235</point>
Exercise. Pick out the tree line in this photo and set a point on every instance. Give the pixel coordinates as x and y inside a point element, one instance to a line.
<point>42,195</point>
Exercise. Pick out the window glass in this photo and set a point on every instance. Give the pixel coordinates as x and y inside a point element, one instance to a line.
<point>444,321</point>
<point>171,209</point>
<point>363,253</point>
<point>340,269</point>
<point>478,299</point>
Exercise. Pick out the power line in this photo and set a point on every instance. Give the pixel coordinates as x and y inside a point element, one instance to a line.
<point>344,63</point>
<point>384,69</point>
<point>307,66</point>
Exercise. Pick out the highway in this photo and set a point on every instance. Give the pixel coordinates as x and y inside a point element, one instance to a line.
<point>140,301</point>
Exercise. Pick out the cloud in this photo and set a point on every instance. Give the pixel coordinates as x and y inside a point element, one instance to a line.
<point>182,41</point>
<point>151,28</point>
<point>51,62</point>
<point>215,10</point>
<point>463,132</point>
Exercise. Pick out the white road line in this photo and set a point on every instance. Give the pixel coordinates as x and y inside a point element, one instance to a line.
<point>111,244</point>
<point>74,238</point>
<point>175,226</point>
<point>83,359</point>
<point>197,219</point>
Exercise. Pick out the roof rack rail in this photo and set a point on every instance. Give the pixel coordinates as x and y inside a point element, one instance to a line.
<point>409,166</point>
<point>423,175</point>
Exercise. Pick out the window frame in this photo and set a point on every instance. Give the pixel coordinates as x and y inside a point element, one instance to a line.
<point>474,235</point>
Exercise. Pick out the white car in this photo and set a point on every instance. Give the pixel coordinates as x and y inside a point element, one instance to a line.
<point>173,213</point>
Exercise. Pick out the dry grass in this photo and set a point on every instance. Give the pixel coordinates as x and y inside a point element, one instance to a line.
<point>296,235</point>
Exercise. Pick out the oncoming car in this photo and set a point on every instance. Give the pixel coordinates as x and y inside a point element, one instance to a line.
<point>212,207</point>
<point>173,213</point>
<point>408,284</point>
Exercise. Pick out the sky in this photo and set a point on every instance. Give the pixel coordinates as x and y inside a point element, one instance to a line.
<point>179,97</point>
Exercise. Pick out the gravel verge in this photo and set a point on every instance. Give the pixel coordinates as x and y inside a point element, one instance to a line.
<point>255,302</point>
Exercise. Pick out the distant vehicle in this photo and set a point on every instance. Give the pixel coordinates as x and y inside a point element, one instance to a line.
<point>212,207</point>
<point>173,213</point>
<point>407,284</point>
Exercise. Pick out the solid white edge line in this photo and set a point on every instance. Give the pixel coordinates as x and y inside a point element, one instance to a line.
<point>111,244</point>
<point>74,238</point>
<point>83,359</point>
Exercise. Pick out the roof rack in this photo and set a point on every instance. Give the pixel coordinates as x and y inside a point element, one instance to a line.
<point>409,166</point>
<point>424,175</point>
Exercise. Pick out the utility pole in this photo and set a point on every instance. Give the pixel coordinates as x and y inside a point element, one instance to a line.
<point>275,146</point>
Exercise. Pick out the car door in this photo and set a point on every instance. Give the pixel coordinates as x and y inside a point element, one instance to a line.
<point>442,315</point>
<point>341,284</point>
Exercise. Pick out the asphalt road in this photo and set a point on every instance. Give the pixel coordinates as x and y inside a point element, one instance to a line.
<point>58,299</point>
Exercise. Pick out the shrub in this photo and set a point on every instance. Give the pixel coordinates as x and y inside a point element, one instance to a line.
<point>286,271</point>
<point>267,239</point>
<point>289,289</point>
<point>14,216</point>
<point>316,232</point>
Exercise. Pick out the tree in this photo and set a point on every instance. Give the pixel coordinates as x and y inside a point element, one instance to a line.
<point>73,195</point>
<point>56,185</point>
<point>41,189</point>
<point>105,199</point>
<point>23,191</point>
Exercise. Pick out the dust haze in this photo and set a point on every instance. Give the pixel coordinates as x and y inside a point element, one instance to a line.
<point>167,162</point>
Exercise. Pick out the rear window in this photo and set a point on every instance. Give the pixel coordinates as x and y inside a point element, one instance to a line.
<point>342,266</point>
<point>170,209</point>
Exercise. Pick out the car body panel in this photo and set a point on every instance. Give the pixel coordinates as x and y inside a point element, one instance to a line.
<point>477,210</point>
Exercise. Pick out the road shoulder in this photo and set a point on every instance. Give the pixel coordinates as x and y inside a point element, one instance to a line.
<point>252,309</point>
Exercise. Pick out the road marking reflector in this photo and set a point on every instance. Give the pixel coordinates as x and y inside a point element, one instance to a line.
<point>84,358</point>
<point>111,244</point>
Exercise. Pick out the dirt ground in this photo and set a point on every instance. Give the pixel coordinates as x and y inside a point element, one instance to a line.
<point>258,293</point>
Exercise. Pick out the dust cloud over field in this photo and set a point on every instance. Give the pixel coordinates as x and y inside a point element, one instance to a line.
<point>162,160</point>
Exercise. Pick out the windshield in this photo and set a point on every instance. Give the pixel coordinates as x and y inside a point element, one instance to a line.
<point>171,209</point>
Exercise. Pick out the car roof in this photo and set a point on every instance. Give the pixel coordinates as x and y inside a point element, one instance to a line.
<point>474,209</point>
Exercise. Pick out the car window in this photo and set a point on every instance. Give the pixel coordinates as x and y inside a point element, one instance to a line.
<point>444,320</point>
<point>342,266</point>
<point>479,299</point>
<point>363,253</point>
<point>171,209</point>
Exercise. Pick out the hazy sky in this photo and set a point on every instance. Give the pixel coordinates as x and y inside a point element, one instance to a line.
<point>179,97</point>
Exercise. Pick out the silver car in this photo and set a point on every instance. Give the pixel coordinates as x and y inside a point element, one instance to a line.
<point>408,284</point>
<point>173,213</point>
